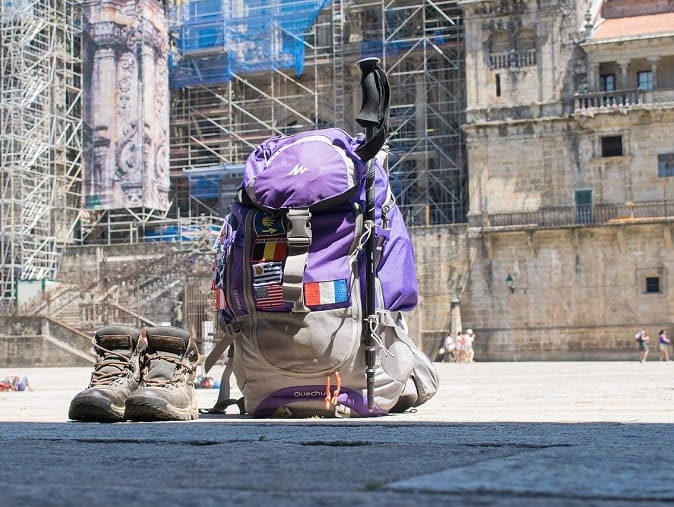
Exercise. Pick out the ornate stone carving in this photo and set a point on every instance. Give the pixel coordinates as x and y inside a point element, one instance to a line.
<point>126,96</point>
<point>502,7</point>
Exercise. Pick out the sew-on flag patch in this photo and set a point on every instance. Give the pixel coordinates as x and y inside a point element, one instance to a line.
<point>269,251</point>
<point>268,225</point>
<point>267,273</point>
<point>325,293</point>
<point>220,301</point>
<point>269,296</point>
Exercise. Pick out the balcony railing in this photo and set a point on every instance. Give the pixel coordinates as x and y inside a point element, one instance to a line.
<point>559,216</point>
<point>610,99</point>
<point>526,58</point>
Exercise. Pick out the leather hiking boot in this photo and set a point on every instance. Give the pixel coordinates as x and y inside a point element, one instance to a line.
<point>166,391</point>
<point>116,375</point>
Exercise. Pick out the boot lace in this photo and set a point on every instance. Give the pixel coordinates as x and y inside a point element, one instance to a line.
<point>183,369</point>
<point>109,366</point>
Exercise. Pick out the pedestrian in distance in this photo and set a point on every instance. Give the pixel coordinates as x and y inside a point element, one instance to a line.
<point>663,345</point>
<point>460,347</point>
<point>470,352</point>
<point>449,349</point>
<point>642,341</point>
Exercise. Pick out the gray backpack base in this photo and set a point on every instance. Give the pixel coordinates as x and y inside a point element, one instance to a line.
<point>287,387</point>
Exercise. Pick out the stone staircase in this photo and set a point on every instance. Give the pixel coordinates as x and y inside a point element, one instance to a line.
<point>135,287</point>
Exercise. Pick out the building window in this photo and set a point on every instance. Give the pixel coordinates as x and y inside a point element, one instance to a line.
<point>612,146</point>
<point>645,80</point>
<point>651,281</point>
<point>652,285</point>
<point>607,82</point>
<point>666,165</point>
<point>508,52</point>
<point>498,85</point>
<point>583,206</point>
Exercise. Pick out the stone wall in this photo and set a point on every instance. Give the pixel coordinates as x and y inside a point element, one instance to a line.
<point>36,341</point>
<point>441,254</point>
<point>577,293</point>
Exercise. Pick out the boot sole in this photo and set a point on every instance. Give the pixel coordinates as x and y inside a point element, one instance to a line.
<point>153,409</point>
<point>90,410</point>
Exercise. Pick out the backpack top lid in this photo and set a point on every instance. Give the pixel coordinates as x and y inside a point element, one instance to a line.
<point>307,170</point>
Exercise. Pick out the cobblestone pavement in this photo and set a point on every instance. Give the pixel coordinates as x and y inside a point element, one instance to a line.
<point>502,434</point>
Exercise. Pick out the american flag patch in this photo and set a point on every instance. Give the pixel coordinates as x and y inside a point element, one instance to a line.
<point>267,273</point>
<point>269,296</point>
<point>269,251</point>
<point>326,293</point>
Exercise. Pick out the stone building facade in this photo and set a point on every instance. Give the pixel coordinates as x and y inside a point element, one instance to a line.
<point>570,139</point>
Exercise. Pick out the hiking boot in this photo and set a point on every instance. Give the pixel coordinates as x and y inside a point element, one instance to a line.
<point>166,391</point>
<point>116,375</point>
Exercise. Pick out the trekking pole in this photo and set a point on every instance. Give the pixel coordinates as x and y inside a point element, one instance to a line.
<point>373,116</point>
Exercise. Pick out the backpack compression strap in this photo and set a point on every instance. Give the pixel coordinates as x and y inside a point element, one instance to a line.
<point>299,240</point>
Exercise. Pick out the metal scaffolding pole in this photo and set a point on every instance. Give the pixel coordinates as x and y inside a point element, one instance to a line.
<point>39,138</point>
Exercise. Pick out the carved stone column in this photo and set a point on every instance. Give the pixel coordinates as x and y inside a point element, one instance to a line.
<point>623,73</point>
<point>593,77</point>
<point>125,88</point>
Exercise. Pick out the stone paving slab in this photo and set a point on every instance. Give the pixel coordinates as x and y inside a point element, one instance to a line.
<point>502,434</point>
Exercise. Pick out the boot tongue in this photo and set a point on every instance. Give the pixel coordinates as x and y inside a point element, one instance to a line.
<point>116,344</point>
<point>165,347</point>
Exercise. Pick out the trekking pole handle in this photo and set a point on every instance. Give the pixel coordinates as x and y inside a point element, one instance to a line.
<point>374,110</point>
<point>371,95</point>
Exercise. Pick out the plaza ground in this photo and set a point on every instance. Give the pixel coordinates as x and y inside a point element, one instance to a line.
<point>505,434</point>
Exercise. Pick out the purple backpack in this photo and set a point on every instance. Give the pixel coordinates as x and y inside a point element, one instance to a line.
<point>289,281</point>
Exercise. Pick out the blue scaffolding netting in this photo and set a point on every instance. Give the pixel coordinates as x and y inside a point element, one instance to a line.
<point>212,182</point>
<point>214,39</point>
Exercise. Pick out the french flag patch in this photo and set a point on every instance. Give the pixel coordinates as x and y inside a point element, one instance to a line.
<point>326,293</point>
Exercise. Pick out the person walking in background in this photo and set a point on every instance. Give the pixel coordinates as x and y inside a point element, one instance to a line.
<point>642,341</point>
<point>663,345</point>
<point>460,347</point>
<point>449,347</point>
<point>470,352</point>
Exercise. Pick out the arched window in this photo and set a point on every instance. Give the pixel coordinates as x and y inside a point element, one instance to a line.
<point>499,42</point>
<point>499,46</point>
<point>525,40</point>
<point>525,47</point>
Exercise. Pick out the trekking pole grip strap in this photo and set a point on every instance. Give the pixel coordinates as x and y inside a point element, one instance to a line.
<point>374,111</point>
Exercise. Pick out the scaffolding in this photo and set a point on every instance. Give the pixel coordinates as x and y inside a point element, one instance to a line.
<point>39,138</point>
<point>424,58</point>
<point>242,72</point>
<point>242,75</point>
